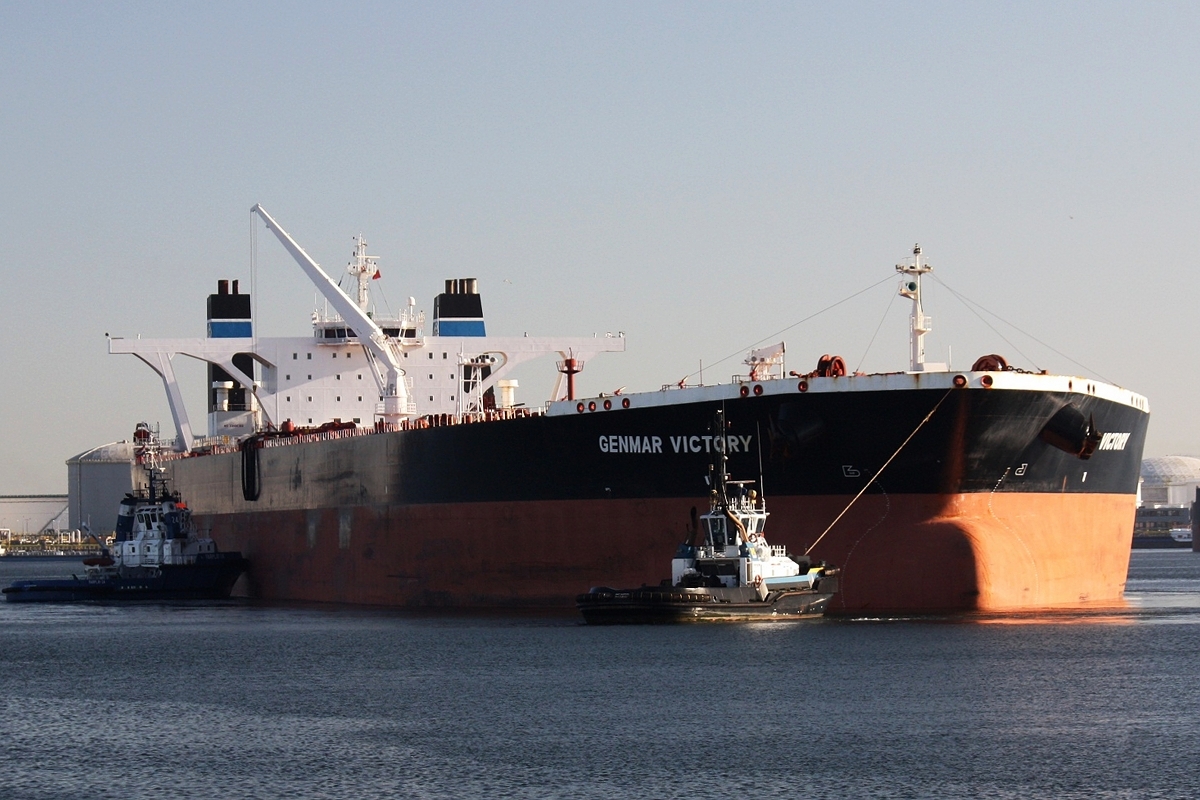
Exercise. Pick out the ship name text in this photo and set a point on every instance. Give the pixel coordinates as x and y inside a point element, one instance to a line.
<point>679,444</point>
<point>1113,441</point>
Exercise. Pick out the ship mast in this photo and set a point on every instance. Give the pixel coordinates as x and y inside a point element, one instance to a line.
<point>919,324</point>
<point>363,267</point>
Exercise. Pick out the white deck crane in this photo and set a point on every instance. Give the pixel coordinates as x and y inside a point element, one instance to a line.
<point>383,351</point>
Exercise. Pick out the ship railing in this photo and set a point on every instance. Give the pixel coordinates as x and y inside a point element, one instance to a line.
<point>316,436</point>
<point>410,407</point>
<point>756,377</point>
<point>225,444</point>
<point>469,418</point>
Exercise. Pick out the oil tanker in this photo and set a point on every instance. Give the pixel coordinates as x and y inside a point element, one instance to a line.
<point>374,464</point>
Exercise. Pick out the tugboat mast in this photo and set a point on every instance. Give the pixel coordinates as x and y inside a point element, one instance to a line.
<point>919,324</point>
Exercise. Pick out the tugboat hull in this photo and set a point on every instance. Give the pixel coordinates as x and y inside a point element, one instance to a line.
<point>210,579</point>
<point>665,604</point>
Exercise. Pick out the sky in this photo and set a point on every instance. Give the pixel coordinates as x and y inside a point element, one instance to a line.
<point>701,176</point>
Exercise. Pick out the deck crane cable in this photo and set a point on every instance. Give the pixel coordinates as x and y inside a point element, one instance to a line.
<point>879,472</point>
<point>971,304</point>
<point>254,312</point>
<point>254,277</point>
<point>769,337</point>
<point>386,305</point>
<point>876,333</point>
<point>968,302</point>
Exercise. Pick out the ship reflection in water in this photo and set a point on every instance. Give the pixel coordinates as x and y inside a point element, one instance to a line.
<point>267,701</point>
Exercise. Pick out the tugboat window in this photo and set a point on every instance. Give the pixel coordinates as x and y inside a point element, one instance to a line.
<point>716,531</point>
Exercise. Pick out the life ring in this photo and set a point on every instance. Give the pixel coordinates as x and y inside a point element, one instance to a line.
<point>758,581</point>
<point>752,538</point>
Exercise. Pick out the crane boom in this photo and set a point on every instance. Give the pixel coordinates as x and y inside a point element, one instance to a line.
<point>380,347</point>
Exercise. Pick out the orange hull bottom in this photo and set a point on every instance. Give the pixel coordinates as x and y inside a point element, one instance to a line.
<point>898,554</point>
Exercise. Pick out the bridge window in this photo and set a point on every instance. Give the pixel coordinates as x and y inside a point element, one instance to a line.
<point>716,531</point>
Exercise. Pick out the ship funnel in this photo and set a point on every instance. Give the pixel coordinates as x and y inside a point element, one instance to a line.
<point>458,311</point>
<point>229,318</point>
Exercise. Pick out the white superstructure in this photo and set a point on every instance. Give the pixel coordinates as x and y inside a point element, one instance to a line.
<point>353,367</point>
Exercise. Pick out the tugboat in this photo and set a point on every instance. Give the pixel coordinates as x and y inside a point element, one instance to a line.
<point>157,553</point>
<point>725,571</point>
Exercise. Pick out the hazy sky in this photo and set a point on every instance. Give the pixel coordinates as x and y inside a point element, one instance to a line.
<point>697,175</point>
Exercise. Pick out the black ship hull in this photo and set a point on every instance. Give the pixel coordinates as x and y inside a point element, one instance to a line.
<point>975,492</point>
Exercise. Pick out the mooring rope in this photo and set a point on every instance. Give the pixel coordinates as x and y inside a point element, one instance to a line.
<point>879,472</point>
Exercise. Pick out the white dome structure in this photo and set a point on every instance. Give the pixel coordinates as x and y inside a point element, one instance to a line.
<point>1170,480</point>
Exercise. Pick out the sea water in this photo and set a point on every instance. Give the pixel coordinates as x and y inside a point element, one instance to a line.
<point>236,700</point>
